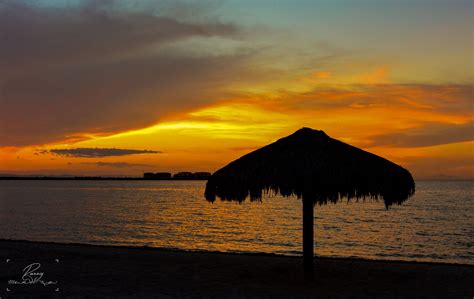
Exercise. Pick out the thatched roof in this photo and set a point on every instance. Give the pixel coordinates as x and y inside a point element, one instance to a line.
<point>311,164</point>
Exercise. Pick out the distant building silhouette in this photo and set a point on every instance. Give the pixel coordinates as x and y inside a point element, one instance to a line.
<point>183,176</point>
<point>202,175</point>
<point>163,175</point>
<point>157,176</point>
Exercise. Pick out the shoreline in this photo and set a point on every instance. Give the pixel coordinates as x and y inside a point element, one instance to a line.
<point>145,272</point>
<point>85,178</point>
<point>94,178</point>
<point>173,249</point>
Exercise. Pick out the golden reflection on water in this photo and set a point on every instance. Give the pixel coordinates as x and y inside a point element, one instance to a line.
<point>435,225</point>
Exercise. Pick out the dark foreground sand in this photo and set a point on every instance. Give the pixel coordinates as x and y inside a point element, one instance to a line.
<point>105,271</point>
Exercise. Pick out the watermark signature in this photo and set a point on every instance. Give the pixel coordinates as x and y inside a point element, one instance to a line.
<point>32,274</point>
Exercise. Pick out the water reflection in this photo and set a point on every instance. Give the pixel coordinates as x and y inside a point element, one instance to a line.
<point>435,225</point>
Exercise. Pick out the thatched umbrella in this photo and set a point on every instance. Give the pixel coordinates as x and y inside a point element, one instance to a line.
<point>316,168</point>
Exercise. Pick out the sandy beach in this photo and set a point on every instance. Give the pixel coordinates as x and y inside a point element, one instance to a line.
<point>112,271</point>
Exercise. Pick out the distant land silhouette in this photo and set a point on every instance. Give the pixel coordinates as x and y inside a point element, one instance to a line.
<point>185,175</point>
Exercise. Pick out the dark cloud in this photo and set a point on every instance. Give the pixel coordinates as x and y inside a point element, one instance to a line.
<point>430,135</point>
<point>93,69</point>
<point>119,165</point>
<point>96,152</point>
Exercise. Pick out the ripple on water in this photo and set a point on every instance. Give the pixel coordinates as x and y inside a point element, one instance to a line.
<point>435,225</point>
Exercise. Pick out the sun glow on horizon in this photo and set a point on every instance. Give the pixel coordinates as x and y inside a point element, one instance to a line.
<point>206,88</point>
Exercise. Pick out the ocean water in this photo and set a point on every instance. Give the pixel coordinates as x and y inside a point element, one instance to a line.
<point>437,224</point>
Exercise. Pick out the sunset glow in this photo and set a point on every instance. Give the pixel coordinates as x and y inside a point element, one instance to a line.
<point>204,88</point>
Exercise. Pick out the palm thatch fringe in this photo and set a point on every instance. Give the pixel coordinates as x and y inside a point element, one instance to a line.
<point>312,165</point>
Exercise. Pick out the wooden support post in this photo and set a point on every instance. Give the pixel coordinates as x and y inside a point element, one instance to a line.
<point>308,237</point>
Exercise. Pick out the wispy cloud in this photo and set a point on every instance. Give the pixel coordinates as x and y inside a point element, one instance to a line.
<point>430,135</point>
<point>445,98</point>
<point>96,152</point>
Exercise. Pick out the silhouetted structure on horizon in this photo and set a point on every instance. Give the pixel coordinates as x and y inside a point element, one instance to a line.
<point>157,176</point>
<point>185,175</point>
<point>202,175</point>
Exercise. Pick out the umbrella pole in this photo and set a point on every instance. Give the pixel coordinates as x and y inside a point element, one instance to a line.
<point>308,236</point>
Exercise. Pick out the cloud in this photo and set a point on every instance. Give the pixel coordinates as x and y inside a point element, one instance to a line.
<point>118,165</point>
<point>439,167</point>
<point>445,98</point>
<point>357,114</point>
<point>67,71</point>
<point>430,135</point>
<point>96,152</point>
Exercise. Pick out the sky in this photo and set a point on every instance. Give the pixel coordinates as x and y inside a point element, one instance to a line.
<point>115,87</point>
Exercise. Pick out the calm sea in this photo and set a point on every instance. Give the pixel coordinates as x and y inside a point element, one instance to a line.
<point>436,224</point>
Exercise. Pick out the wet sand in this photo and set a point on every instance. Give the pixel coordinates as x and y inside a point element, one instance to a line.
<point>140,272</point>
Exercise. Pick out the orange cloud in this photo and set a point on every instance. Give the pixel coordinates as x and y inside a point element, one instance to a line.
<point>405,123</point>
<point>322,75</point>
<point>378,76</point>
